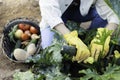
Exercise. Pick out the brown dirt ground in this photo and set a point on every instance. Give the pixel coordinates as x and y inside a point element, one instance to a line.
<point>12,9</point>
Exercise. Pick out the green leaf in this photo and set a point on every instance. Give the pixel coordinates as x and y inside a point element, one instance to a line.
<point>114,4</point>
<point>12,32</point>
<point>112,72</point>
<point>56,53</point>
<point>75,26</point>
<point>108,2</point>
<point>28,75</point>
<point>89,74</point>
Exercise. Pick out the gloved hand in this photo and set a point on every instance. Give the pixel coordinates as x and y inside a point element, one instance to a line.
<point>82,50</point>
<point>99,46</point>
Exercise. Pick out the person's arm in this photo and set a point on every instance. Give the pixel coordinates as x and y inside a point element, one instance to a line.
<point>50,12</point>
<point>62,28</point>
<point>112,26</point>
<point>107,13</point>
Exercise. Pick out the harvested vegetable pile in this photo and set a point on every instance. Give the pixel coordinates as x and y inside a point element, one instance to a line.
<point>21,39</point>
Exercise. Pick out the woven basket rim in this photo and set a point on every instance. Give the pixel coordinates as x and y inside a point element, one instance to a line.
<point>3,52</point>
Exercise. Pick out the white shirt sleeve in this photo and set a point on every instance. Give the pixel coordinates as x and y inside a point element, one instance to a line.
<point>106,12</point>
<point>50,12</point>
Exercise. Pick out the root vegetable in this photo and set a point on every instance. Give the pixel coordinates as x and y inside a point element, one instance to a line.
<point>33,30</point>
<point>31,49</point>
<point>25,36</point>
<point>35,36</point>
<point>27,32</point>
<point>20,54</point>
<point>18,33</point>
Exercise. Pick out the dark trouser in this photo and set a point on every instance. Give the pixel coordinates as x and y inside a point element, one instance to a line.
<point>74,15</point>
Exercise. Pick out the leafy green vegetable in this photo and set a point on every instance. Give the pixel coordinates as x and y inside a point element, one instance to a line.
<point>53,73</point>
<point>48,63</point>
<point>28,75</point>
<point>49,55</point>
<point>114,5</point>
<point>111,73</point>
<point>75,26</point>
<point>11,34</point>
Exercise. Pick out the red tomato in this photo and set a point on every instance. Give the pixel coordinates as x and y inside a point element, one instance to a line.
<point>27,27</point>
<point>23,26</point>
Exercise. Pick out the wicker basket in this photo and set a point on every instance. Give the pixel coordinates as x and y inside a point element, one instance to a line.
<point>8,46</point>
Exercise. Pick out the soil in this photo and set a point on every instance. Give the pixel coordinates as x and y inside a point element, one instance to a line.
<point>9,10</point>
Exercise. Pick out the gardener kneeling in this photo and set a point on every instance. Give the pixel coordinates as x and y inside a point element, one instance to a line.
<point>56,13</point>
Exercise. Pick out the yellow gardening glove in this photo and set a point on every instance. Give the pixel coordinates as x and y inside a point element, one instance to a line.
<point>82,50</point>
<point>100,44</point>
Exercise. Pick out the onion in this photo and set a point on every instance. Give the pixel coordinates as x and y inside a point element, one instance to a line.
<point>20,54</point>
<point>31,49</point>
<point>33,30</point>
<point>18,33</point>
<point>35,36</point>
<point>27,32</point>
<point>25,36</point>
